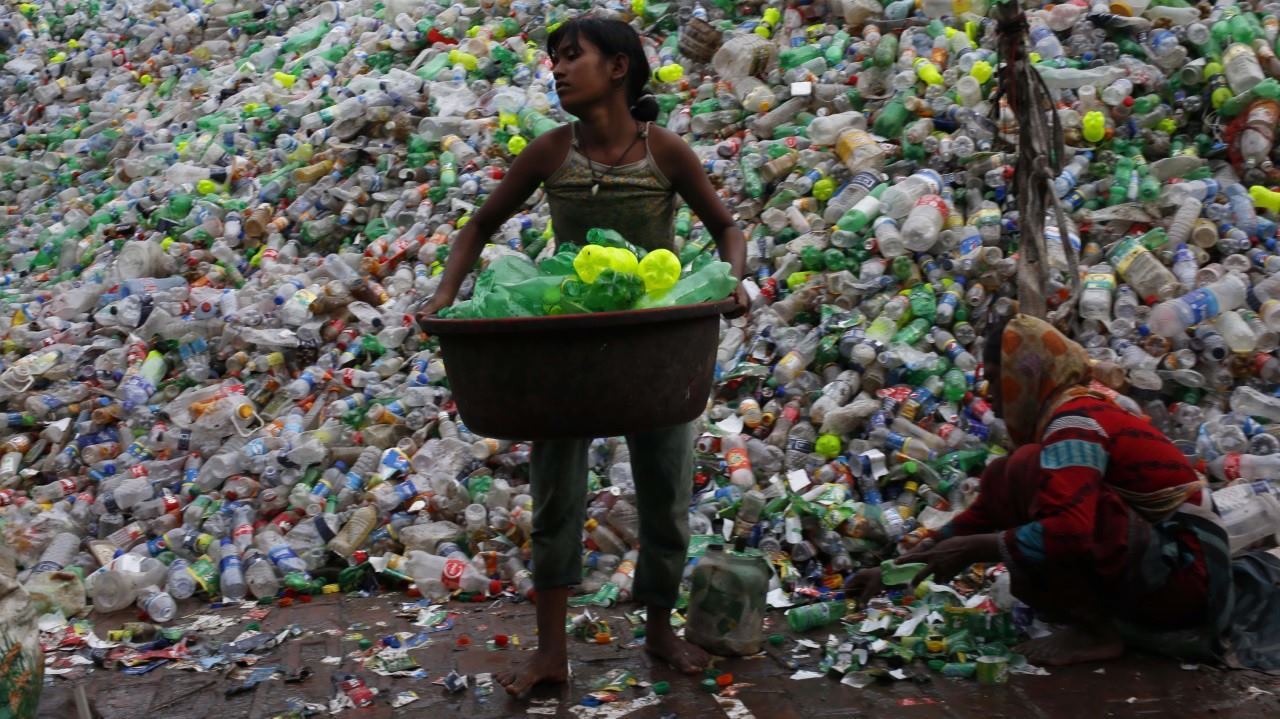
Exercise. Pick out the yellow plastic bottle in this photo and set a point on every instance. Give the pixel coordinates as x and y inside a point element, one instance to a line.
<point>669,73</point>
<point>660,271</point>
<point>623,261</point>
<point>1094,126</point>
<point>1265,199</point>
<point>927,71</point>
<point>981,71</point>
<point>590,262</point>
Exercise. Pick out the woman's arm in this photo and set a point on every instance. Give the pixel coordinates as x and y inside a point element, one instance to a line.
<point>531,167</point>
<point>679,163</point>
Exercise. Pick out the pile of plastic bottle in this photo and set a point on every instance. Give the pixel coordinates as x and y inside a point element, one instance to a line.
<point>219,218</point>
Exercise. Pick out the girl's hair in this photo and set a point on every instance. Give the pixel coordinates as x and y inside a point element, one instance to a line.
<point>613,37</point>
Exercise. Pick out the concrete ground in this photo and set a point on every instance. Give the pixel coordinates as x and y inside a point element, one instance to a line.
<point>1136,686</point>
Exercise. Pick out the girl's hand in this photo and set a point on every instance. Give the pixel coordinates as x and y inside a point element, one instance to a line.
<point>437,302</point>
<point>742,304</point>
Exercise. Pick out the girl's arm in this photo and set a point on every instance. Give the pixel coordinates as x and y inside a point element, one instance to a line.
<point>530,168</point>
<point>679,163</point>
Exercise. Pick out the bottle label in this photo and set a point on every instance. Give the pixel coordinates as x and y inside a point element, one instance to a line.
<point>1231,467</point>
<point>229,563</point>
<point>737,459</point>
<point>280,554</point>
<point>284,522</point>
<point>851,143</point>
<point>406,490</point>
<point>935,202</point>
<point>933,178</point>
<point>323,530</point>
<point>149,600</point>
<point>43,567</point>
<point>1203,304</point>
<point>451,575</point>
<point>243,530</point>
<point>865,180</point>
<point>304,297</point>
<point>1100,281</point>
<point>1125,253</point>
<point>795,444</point>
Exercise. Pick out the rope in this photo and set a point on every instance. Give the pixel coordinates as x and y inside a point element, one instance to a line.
<point>1039,160</point>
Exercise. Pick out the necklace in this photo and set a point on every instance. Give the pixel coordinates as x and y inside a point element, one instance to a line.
<point>591,165</point>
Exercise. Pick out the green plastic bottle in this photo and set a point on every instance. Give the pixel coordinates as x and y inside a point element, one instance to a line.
<point>797,56</point>
<point>891,118</point>
<point>814,616</point>
<point>893,574</point>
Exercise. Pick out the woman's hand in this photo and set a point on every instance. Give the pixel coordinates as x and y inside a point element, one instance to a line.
<point>866,584</point>
<point>950,557</point>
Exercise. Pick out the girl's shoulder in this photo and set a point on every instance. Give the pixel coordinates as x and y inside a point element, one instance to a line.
<point>671,152</point>
<point>550,150</point>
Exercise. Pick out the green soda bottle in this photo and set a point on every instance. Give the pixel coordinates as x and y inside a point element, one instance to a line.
<point>814,616</point>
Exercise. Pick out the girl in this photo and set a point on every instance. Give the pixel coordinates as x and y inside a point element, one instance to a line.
<point>614,169</point>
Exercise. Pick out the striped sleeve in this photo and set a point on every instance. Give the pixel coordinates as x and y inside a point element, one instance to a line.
<point>1073,459</point>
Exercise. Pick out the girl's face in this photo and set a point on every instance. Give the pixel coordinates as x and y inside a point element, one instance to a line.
<point>583,75</point>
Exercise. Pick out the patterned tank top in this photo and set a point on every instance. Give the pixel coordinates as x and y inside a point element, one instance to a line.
<point>634,199</point>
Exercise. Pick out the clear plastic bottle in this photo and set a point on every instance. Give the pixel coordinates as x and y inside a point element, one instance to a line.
<point>1142,270</point>
<point>179,582</point>
<point>920,231</point>
<point>901,197</point>
<point>259,575</point>
<point>1173,317</point>
<point>230,574</point>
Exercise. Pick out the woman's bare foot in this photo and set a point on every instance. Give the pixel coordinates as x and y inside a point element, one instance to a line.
<point>683,656</point>
<point>1073,645</point>
<point>540,668</point>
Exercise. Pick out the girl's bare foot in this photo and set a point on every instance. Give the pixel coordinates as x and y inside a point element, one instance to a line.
<point>540,668</point>
<point>665,645</point>
<point>1073,645</point>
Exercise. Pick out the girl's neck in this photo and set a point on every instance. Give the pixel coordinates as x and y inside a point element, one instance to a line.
<point>608,124</point>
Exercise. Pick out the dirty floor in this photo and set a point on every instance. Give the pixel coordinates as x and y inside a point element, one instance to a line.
<point>1136,686</point>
